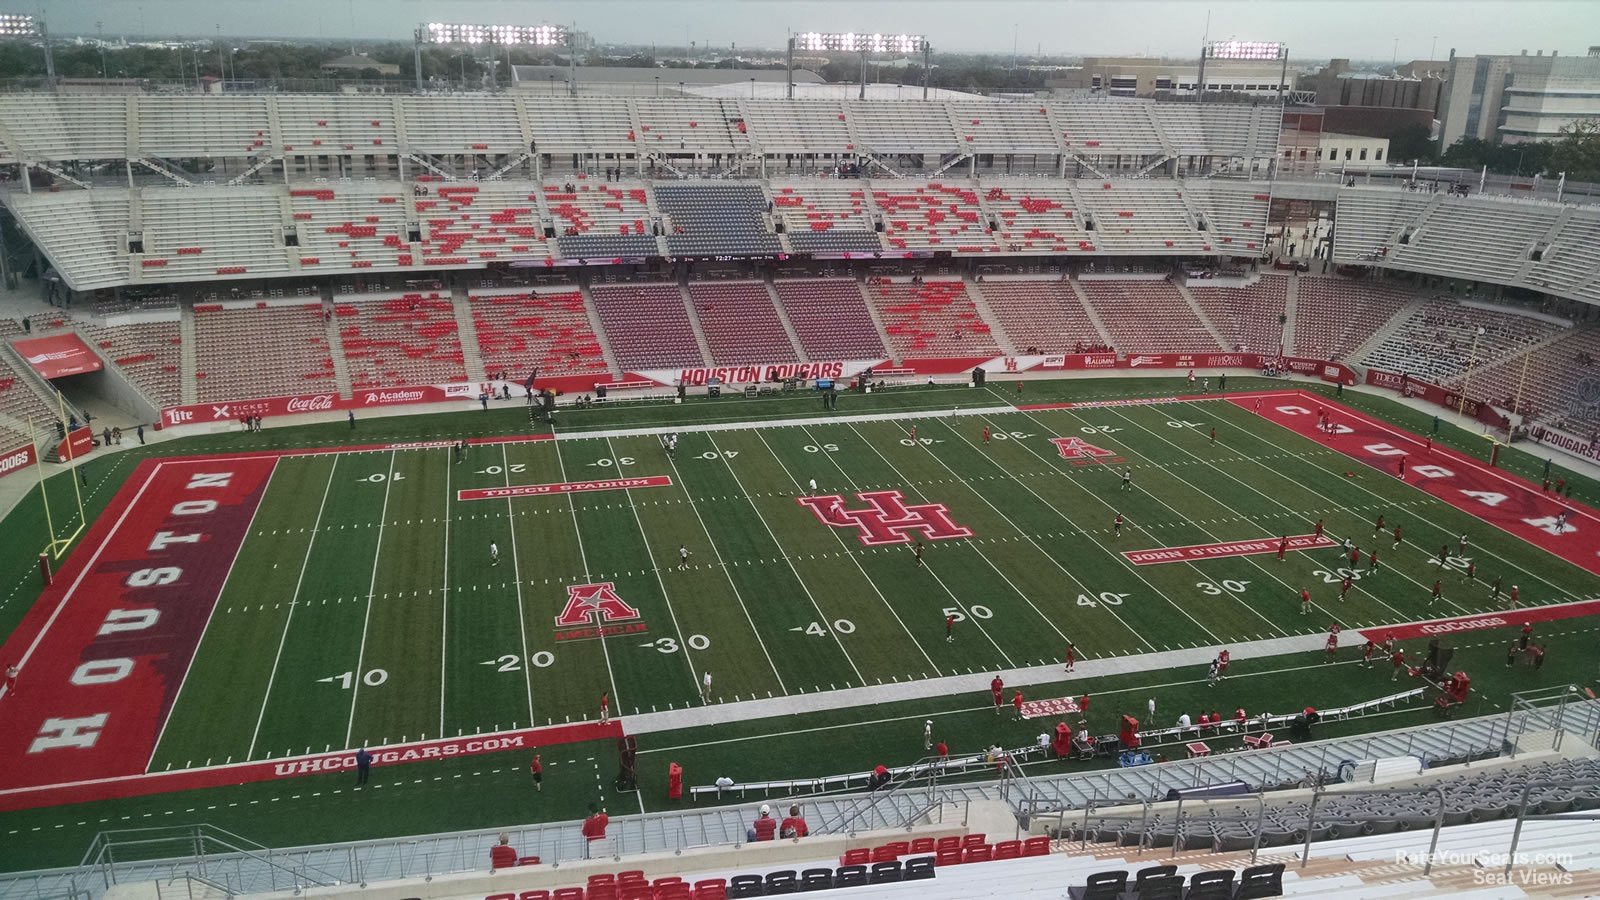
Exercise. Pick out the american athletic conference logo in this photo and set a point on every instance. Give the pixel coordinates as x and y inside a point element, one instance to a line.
<point>1081,452</point>
<point>596,610</point>
<point>887,519</point>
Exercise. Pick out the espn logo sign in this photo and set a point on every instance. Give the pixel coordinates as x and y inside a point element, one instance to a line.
<point>17,460</point>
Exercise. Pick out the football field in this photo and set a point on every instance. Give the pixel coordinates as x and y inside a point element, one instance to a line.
<point>403,594</point>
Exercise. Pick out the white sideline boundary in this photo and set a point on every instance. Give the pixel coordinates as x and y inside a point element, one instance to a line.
<point>784,423</point>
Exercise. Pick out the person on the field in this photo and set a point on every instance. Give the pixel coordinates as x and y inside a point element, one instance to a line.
<point>1472,570</point>
<point>537,769</point>
<point>1461,546</point>
<point>813,486</point>
<point>1512,652</point>
<point>986,434</point>
<point>917,551</point>
<point>1331,647</point>
<point>1344,587</point>
<point>1283,547</point>
<point>1526,636</point>
<point>11,679</point>
<point>1372,560</point>
<point>605,707</point>
<point>1397,537</point>
<point>1214,673</point>
<point>1366,653</point>
<point>683,557</point>
<point>705,687</point>
<point>494,554</point>
<point>1444,554</point>
<point>1398,661</point>
<point>1318,532</point>
<point>950,629</point>
<point>1305,601</point>
<point>1223,659</point>
<point>927,734</point>
<point>363,766</point>
<point>1072,656</point>
<point>1116,526</point>
<point>1377,527</point>
<point>1438,591</point>
<point>1515,593</point>
<point>1127,479</point>
<point>1016,704</point>
<point>996,690</point>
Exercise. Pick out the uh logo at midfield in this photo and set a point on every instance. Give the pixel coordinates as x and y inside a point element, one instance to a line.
<point>887,518</point>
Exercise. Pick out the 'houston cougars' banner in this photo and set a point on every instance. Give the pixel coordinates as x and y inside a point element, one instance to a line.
<point>59,355</point>
<point>755,373</point>
<point>17,460</point>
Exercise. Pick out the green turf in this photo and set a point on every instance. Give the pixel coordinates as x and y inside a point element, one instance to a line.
<point>363,608</point>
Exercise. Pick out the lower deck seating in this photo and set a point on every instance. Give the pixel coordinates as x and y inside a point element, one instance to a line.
<point>1438,341</point>
<point>409,339</point>
<point>740,324</point>
<point>1334,316</point>
<point>647,326</point>
<point>548,330</point>
<point>933,318</point>
<point>1041,316</point>
<point>1559,386</point>
<point>22,401</point>
<point>1147,317</point>
<point>261,351</point>
<point>830,318</point>
<point>150,354</point>
<point>1246,316</point>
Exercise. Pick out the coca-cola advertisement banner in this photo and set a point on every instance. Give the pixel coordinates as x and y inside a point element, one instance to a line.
<point>234,410</point>
<point>18,459</point>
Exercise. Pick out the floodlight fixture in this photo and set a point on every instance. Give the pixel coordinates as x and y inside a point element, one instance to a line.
<point>1248,51</point>
<point>458,33</point>
<point>862,43</point>
<point>853,42</point>
<point>19,25</point>
<point>1251,50</point>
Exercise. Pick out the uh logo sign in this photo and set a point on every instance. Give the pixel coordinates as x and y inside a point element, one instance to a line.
<point>887,518</point>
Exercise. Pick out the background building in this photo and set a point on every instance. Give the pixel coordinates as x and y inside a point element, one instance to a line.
<point>1133,76</point>
<point>1513,99</point>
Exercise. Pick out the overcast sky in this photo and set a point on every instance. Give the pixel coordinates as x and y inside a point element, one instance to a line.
<point>1358,29</point>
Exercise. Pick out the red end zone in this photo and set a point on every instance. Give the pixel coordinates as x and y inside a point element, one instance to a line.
<point>104,650</point>
<point>1198,552</point>
<point>1509,503</point>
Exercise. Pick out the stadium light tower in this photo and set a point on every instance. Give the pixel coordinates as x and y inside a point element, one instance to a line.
<point>865,44</point>
<point>1254,51</point>
<point>26,27</point>
<point>504,35</point>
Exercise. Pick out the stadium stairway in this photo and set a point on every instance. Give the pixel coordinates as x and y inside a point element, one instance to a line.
<point>783,317</point>
<point>599,332</point>
<point>341,369</point>
<point>1094,317</point>
<point>1395,323</point>
<point>1291,308</point>
<point>471,356</point>
<point>1200,313</point>
<point>694,323</point>
<point>186,350</point>
<point>996,331</point>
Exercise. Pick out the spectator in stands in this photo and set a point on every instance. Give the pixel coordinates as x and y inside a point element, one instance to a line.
<point>503,855</point>
<point>793,826</point>
<point>764,828</point>
<point>594,828</point>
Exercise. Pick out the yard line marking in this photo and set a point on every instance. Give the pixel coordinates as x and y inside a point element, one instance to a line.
<point>516,574</point>
<point>361,655</point>
<point>272,677</point>
<point>583,556</point>
<point>1030,539</point>
<point>1271,499</point>
<point>779,544</point>
<point>694,676</point>
<point>444,604</point>
<point>1093,539</point>
<point>265,488</point>
<point>990,563</point>
<point>833,458</point>
<point>855,558</point>
<point>673,462</point>
<point>1102,436</point>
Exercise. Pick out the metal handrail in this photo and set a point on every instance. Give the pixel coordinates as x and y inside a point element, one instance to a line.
<point>1438,821</point>
<point>1522,811</point>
